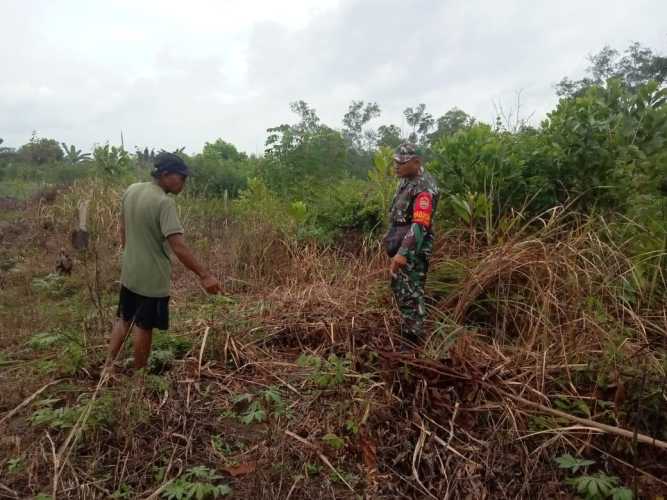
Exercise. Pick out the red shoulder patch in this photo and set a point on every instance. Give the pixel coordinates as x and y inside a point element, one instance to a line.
<point>423,209</point>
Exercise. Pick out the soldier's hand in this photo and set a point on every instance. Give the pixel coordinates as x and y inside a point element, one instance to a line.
<point>397,263</point>
<point>210,284</point>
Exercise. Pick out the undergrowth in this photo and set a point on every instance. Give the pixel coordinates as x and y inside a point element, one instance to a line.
<point>293,383</point>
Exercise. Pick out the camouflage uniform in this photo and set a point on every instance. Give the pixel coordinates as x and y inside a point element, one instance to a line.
<point>410,234</point>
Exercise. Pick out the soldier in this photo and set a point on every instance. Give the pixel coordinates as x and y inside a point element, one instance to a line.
<point>409,241</point>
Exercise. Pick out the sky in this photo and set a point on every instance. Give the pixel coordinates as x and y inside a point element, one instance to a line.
<point>169,74</point>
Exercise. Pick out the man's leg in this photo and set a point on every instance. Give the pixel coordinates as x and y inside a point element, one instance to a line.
<point>408,288</point>
<point>120,330</point>
<point>141,339</point>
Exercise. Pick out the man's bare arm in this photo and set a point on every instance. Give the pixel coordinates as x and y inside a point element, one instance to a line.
<point>187,258</point>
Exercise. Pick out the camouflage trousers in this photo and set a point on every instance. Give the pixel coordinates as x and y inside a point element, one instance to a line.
<point>408,288</point>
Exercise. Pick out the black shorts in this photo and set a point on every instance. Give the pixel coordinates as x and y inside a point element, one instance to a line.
<point>146,312</point>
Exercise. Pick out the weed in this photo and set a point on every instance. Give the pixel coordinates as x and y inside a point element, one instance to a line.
<point>567,461</point>
<point>15,465</point>
<point>224,448</point>
<point>156,384</point>
<point>327,373</point>
<point>166,348</point>
<point>334,441</point>
<point>268,402</point>
<point>351,426</point>
<point>600,486</point>
<point>72,357</point>
<point>123,492</point>
<point>198,484</point>
<point>312,469</point>
<point>66,417</point>
<point>45,340</point>
<point>52,285</point>
<point>593,487</point>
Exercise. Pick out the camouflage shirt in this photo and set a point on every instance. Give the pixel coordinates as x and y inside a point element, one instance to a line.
<point>413,205</point>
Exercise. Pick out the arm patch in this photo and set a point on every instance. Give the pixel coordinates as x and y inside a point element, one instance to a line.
<point>423,209</point>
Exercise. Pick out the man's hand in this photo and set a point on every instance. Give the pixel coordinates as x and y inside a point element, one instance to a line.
<point>398,262</point>
<point>211,284</point>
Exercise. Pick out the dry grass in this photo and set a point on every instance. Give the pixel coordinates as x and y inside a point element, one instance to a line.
<point>551,318</point>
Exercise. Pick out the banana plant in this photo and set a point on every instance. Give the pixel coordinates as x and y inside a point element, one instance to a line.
<point>73,155</point>
<point>472,209</point>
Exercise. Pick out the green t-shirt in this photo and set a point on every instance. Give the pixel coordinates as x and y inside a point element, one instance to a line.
<point>150,216</point>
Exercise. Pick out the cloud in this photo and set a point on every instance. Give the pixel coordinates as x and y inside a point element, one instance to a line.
<point>171,75</point>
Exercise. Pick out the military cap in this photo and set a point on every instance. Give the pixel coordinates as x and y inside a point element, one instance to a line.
<point>406,152</point>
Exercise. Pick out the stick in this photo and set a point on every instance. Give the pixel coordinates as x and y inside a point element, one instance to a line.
<point>416,455</point>
<point>610,429</point>
<point>320,455</point>
<point>27,401</point>
<point>201,351</point>
<point>8,490</point>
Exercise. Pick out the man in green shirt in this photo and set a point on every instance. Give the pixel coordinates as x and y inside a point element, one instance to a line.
<point>149,226</point>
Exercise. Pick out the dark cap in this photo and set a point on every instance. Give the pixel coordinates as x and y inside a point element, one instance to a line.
<point>406,152</point>
<point>169,163</point>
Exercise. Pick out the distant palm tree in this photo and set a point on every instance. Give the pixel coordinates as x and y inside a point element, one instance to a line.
<point>73,155</point>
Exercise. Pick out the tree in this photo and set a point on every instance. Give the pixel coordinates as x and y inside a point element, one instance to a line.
<point>451,122</point>
<point>222,150</point>
<point>41,150</point>
<point>73,155</point>
<point>300,157</point>
<point>389,135</point>
<point>111,160</point>
<point>634,68</point>
<point>420,121</point>
<point>357,117</point>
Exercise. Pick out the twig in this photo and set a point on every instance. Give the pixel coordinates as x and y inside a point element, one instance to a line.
<point>417,452</point>
<point>28,400</point>
<point>9,490</point>
<point>441,442</point>
<point>324,459</point>
<point>610,429</point>
<point>201,350</point>
<point>291,490</point>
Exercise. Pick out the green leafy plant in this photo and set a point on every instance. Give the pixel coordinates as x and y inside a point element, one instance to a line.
<point>327,373</point>
<point>44,340</point>
<point>312,469</point>
<point>15,465</point>
<point>123,492</point>
<point>259,407</point>
<point>593,487</point>
<point>567,461</point>
<point>196,483</point>
<point>600,486</point>
<point>65,417</point>
<point>334,441</point>
<point>52,284</point>
<point>166,349</point>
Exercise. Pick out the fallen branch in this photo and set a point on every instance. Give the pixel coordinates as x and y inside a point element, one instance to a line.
<point>610,429</point>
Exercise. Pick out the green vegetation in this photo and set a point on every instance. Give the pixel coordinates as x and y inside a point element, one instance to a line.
<point>197,483</point>
<point>593,487</point>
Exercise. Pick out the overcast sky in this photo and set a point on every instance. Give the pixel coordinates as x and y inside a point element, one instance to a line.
<point>171,74</point>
